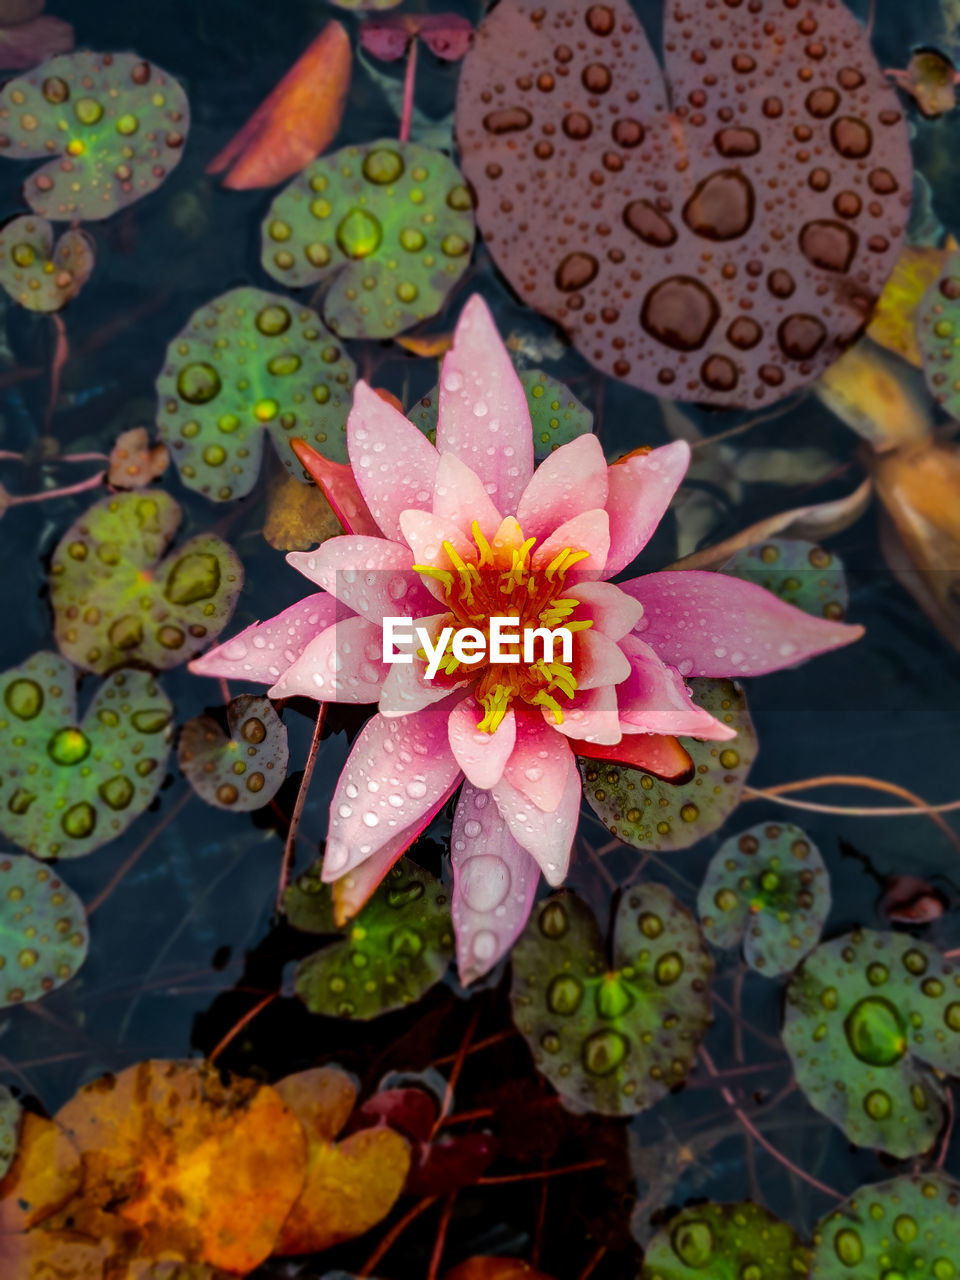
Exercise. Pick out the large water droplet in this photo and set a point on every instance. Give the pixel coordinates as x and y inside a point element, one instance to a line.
<point>576,271</point>
<point>680,312</point>
<point>117,792</point>
<point>507,120</point>
<point>604,1051</point>
<point>801,337</point>
<point>848,1246</point>
<point>851,137</point>
<point>383,166</point>
<point>646,220</point>
<point>193,577</point>
<point>198,383</point>
<point>79,820</point>
<point>721,207</point>
<point>484,882</point>
<point>273,319</point>
<point>829,245</point>
<point>692,1242</point>
<point>564,995</point>
<point>24,698</point>
<point>68,746</point>
<point>359,234</point>
<point>876,1032</point>
<point>613,997</point>
<point>737,141</point>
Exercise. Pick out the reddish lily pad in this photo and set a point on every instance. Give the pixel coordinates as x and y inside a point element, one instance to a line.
<point>248,362</point>
<point>873,1026</point>
<point>9,1128</point>
<point>117,602</point>
<point>43,938</point>
<point>769,890</point>
<point>446,35</point>
<point>725,1242</point>
<point>243,771</point>
<point>612,1038</point>
<point>799,572</point>
<point>388,226</point>
<point>134,462</point>
<point>725,248</point>
<point>652,814</point>
<point>68,786</point>
<point>37,274</point>
<point>111,127</point>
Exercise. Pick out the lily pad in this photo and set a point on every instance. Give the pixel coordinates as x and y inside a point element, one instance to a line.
<point>769,890</point>
<point>117,602</point>
<point>872,1025</point>
<point>799,572</point>
<point>387,225</point>
<point>938,336</point>
<point>651,814</point>
<point>37,274</point>
<point>243,771</point>
<point>725,1242</point>
<point>9,1128</point>
<point>612,1036</point>
<point>68,786</point>
<point>111,127</point>
<point>248,362</point>
<point>43,936</point>
<point>909,1226</point>
<point>557,416</point>
<point>392,952</point>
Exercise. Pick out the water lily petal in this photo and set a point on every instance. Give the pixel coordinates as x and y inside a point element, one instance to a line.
<point>494,883</point>
<point>712,624</point>
<point>481,404</point>
<point>263,651</point>
<point>481,756</point>
<point>641,488</point>
<point>459,498</point>
<point>588,531</point>
<point>425,534</point>
<point>371,576</point>
<point>343,664</point>
<point>591,715</point>
<point>571,479</point>
<point>612,610</point>
<point>394,463</point>
<point>600,661</point>
<point>655,699</point>
<point>406,689</point>
<point>340,487</point>
<point>546,837</point>
<point>654,753</point>
<point>539,765</point>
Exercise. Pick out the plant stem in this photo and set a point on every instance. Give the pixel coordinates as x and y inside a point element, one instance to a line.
<point>298,806</point>
<point>409,81</point>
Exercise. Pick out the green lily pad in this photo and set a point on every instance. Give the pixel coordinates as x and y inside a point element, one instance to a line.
<point>43,931</point>
<point>938,336</point>
<point>9,1128</point>
<point>67,787</point>
<point>251,361</point>
<point>243,771</point>
<point>37,274</point>
<point>111,127</point>
<point>799,572</point>
<point>392,952</point>
<point>872,1023</point>
<point>651,814</point>
<point>906,1228</point>
<point>556,414</point>
<point>612,1036</point>
<point>117,602</point>
<point>769,890</point>
<point>725,1242</point>
<point>388,226</point>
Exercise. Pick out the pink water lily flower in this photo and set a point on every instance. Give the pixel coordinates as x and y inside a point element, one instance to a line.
<point>450,536</point>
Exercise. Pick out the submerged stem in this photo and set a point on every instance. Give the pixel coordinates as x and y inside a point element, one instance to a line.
<point>409,80</point>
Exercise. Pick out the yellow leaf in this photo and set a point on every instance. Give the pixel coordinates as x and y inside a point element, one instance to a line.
<point>893,322</point>
<point>879,398</point>
<point>298,515</point>
<point>44,1175</point>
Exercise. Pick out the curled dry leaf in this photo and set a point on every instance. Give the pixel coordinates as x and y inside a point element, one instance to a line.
<point>134,462</point>
<point>930,78</point>
<point>298,515</point>
<point>45,1173</point>
<point>877,396</point>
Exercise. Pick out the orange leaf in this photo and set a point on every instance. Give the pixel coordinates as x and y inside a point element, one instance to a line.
<point>876,396</point>
<point>495,1269</point>
<point>298,515</point>
<point>53,1255</point>
<point>44,1175</point>
<point>428,344</point>
<point>296,122</point>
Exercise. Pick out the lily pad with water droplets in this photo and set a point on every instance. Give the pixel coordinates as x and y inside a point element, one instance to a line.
<point>651,814</point>
<point>251,361</point>
<point>243,771</point>
<point>117,602</point>
<point>725,1242</point>
<point>393,951</point>
<point>769,890</point>
<point>68,785</point>
<point>111,127</point>
<point>43,933</point>
<point>9,1128</point>
<point>799,572</point>
<point>872,1025</point>
<point>612,1039</point>
<point>938,336</point>
<point>37,274</point>
<point>908,1227</point>
<point>388,226</point>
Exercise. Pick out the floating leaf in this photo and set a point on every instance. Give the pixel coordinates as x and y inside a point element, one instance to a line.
<point>769,890</point>
<point>206,1170</point>
<point>612,1038</point>
<point>133,462</point>
<point>594,169</point>
<point>38,275</point>
<point>67,787</point>
<point>740,1241</point>
<point>246,362</point>
<point>116,601</point>
<point>43,932</point>
<point>61,1255</point>
<point>938,328</point>
<point>872,1023</point>
<point>799,572</point>
<point>111,127</point>
<point>299,516</point>
<point>893,323</point>
<point>387,225</point>
<point>243,771</point>
<point>909,1226</point>
<point>390,954</point>
<point>9,1128</point>
<point>651,814</point>
<point>931,80</point>
<point>446,35</point>
<point>44,1174</point>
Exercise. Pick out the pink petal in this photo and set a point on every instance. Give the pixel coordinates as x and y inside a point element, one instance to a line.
<point>425,534</point>
<point>340,487</point>
<point>655,700</point>
<point>395,778</point>
<point>406,689</point>
<point>591,716</point>
<point>494,884</point>
<point>371,576</point>
<point>481,756</point>
<point>711,624</point>
<point>641,488</point>
<point>539,766</point>
<point>588,531</point>
<point>394,463</point>
<point>570,480</point>
<point>481,404</point>
<point>264,650</point>
<point>600,661</point>
<point>546,837</point>
<point>459,498</point>
<point>612,610</point>
<point>343,664</point>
